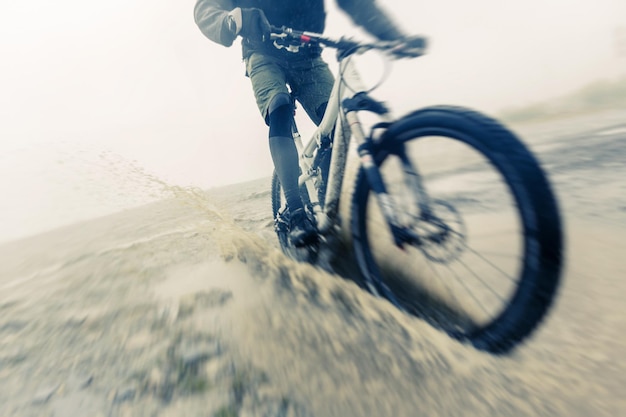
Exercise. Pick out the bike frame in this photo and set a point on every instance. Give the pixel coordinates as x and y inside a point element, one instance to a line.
<point>348,96</point>
<point>346,125</point>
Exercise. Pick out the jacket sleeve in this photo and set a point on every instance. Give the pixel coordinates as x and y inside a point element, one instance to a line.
<point>368,15</point>
<point>211,18</point>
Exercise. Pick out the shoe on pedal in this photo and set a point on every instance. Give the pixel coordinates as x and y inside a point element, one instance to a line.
<point>302,232</point>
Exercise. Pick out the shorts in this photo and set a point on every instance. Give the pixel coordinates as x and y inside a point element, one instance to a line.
<point>310,80</point>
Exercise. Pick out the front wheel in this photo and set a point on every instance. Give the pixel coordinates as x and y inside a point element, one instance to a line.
<point>488,261</point>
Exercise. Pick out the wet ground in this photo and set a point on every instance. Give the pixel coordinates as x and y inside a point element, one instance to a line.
<point>187,307</point>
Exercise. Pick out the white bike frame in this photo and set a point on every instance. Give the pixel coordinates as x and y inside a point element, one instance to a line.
<point>347,84</point>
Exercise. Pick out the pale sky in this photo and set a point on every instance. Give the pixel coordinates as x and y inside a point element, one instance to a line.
<point>137,78</point>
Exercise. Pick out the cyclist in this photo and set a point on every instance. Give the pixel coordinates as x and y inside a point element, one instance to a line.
<point>271,70</point>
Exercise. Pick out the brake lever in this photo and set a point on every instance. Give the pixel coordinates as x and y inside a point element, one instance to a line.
<point>287,41</point>
<point>281,41</point>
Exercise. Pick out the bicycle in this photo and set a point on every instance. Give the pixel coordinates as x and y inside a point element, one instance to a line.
<point>405,194</point>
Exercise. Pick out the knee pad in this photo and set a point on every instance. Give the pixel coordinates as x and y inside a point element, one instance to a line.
<point>280,117</point>
<point>279,100</point>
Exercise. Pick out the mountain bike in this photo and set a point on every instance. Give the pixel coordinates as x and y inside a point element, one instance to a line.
<point>452,218</point>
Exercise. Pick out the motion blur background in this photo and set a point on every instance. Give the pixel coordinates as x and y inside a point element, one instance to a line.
<point>97,96</point>
<point>185,306</point>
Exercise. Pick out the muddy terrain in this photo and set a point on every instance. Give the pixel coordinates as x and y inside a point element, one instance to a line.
<point>186,307</point>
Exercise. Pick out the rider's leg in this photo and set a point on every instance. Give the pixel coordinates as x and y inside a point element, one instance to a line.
<point>312,82</point>
<point>283,148</point>
<point>269,83</point>
<point>285,157</point>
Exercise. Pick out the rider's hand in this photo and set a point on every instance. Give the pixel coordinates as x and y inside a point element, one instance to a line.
<point>411,46</point>
<point>254,25</point>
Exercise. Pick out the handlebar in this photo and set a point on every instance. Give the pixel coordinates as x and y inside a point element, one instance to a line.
<point>292,40</point>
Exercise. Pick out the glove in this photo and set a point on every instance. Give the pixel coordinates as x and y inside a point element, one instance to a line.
<point>254,25</point>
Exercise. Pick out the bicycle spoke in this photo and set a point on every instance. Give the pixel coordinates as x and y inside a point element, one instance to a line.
<point>499,233</point>
<point>513,280</point>
<point>482,281</point>
<point>502,255</point>
<point>447,286</point>
<point>458,279</point>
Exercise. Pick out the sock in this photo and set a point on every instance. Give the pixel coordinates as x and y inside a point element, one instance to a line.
<point>285,154</point>
<point>285,157</point>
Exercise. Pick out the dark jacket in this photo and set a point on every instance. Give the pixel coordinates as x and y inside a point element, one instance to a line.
<point>307,15</point>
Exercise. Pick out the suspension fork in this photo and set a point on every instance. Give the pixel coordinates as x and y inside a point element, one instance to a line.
<point>401,235</point>
<point>413,181</point>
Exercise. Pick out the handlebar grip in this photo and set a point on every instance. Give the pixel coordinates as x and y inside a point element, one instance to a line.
<point>411,47</point>
<point>417,42</point>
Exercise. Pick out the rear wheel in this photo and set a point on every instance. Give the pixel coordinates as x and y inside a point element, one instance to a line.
<point>490,256</point>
